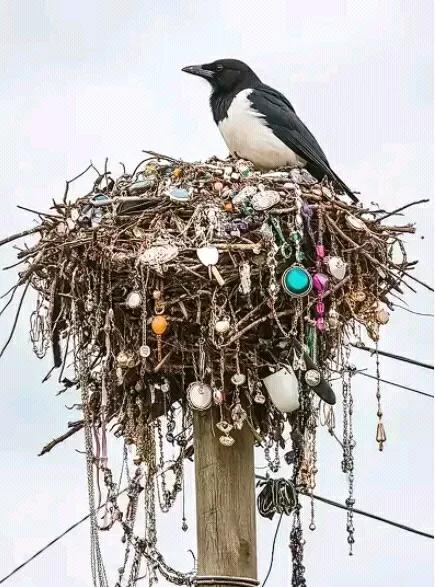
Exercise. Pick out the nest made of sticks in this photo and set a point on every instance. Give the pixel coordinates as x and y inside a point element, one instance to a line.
<point>120,279</point>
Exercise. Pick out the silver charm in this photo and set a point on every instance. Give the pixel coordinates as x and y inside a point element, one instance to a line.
<point>226,440</point>
<point>245,278</point>
<point>337,267</point>
<point>199,395</point>
<point>238,379</point>
<point>312,377</point>
<point>224,426</point>
<point>144,351</point>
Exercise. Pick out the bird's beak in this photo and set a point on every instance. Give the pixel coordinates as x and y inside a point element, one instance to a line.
<point>199,70</point>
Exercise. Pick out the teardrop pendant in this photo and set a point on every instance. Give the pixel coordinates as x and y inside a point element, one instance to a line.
<point>381,437</point>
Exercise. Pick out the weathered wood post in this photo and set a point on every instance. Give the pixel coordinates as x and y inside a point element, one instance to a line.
<point>225,502</point>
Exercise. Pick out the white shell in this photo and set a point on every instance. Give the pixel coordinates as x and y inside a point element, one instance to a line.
<point>133,300</point>
<point>355,223</point>
<point>283,389</point>
<point>265,200</point>
<point>222,326</point>
<point>158,254</point>
<point>199,395</point>
<point>337,267</point>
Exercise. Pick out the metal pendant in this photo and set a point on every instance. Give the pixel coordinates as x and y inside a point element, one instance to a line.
<point>296,281</point>
<point>199,395</point>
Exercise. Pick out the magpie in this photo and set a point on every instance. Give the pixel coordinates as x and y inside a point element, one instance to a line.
<point>259,124</point>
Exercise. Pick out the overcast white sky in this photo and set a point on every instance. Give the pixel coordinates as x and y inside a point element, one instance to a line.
<point>88,79</point>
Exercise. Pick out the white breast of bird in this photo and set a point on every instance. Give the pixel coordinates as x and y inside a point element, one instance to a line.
<point>247,135</point>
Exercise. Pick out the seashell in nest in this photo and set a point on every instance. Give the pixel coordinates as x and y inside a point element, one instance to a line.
<point>265,200</point>
<point>159,254</point>
<point>355,223</point>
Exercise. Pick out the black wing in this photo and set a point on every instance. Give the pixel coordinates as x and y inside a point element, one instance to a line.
<point>287,126</point>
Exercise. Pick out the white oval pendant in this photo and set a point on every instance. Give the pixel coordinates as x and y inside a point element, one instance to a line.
<point>283,389</point>
<point>199,395</point>
<point>133,300</point>
<point>337,267</point>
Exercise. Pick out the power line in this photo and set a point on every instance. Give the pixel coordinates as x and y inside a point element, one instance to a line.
<point>394,384</point>
<point>372,516</point>
<point>272,556</point>
<point>363,513</point>
<point>318,497</point>
<point>363,347</point>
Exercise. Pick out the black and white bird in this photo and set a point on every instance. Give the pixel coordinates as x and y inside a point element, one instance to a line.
<point>259,124</point>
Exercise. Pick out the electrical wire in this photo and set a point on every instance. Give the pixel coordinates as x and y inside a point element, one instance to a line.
<point>272,556</point>
<point>318,497</point>
<point>372,516</point>
<point>363,513</point>
<point>394,384</point>
<point>363,347</point>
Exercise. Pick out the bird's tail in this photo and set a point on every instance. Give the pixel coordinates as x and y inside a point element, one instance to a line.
<point>340,183</point>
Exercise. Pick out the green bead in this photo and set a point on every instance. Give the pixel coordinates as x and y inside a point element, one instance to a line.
<point>296,281</point>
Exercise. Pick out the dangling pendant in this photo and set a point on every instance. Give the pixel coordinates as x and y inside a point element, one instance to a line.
<point>381,437</point>
<point>296,281</point>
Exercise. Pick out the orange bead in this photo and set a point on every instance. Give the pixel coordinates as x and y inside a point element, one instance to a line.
<point>159,325</point>
<point>178,172</point>
<point>228,207</point>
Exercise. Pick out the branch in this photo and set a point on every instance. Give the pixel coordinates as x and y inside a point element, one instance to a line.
<point>47,448</point>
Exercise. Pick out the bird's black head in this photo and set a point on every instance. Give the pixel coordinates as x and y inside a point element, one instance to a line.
<point>225,75</point>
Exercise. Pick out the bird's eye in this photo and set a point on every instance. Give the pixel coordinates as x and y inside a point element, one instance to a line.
<point>219,67</point>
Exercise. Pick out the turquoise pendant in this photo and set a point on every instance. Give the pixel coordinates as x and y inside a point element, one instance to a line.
<point>296,281</point>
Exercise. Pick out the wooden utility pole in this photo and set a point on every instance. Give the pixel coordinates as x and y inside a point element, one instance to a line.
<point>225,501</point>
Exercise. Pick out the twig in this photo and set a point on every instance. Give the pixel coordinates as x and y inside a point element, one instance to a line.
<point>47,448</point>
<point>18,235</point>
<point>401,208</point>
<point>5,346</point>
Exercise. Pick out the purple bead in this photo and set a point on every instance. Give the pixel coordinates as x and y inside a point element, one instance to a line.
<point>320,324</point>
<point>320,308</point>
<point>307,211</point>
<point>320,282</point>
<point>320,251</point>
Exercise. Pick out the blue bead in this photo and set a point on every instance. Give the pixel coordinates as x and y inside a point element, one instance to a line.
<point>296,281</point>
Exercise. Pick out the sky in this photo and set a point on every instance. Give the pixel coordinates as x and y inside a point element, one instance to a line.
<point>86,80</point>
